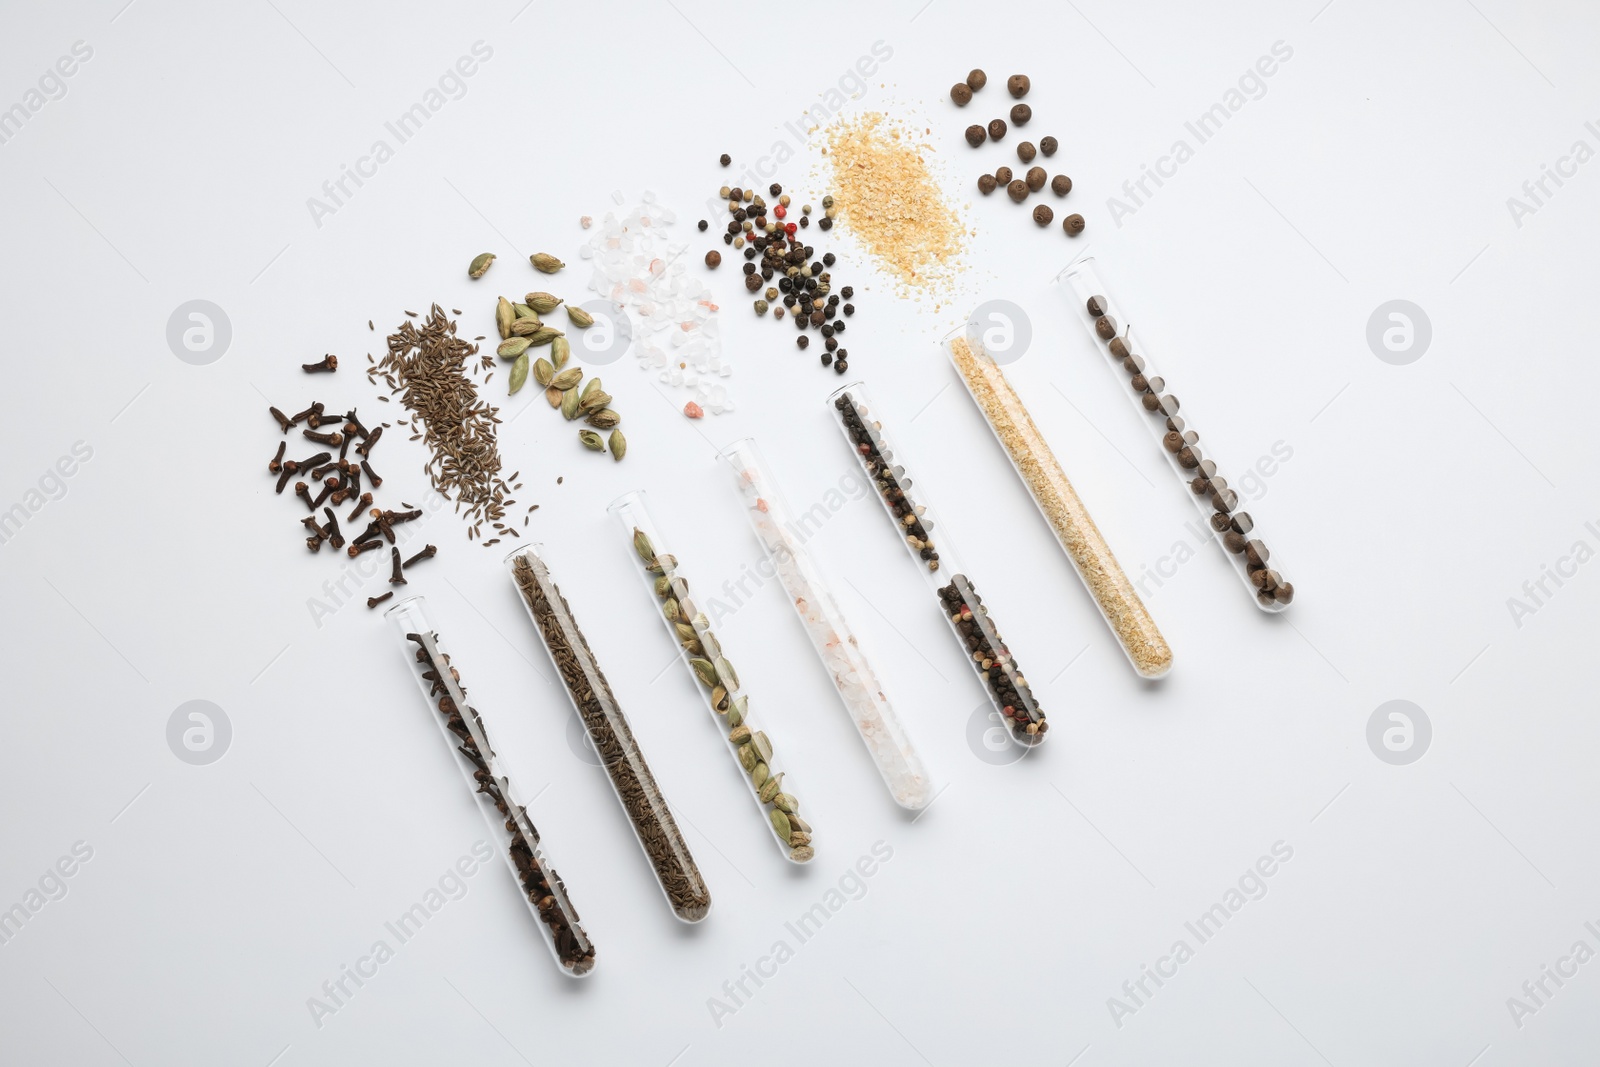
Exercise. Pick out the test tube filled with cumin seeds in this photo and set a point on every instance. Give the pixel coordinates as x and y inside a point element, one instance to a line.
<point>1058,502</point>
<point>767,781</point>
<point>597,708</point>
<point>908,509</point>
<point>484,769</point>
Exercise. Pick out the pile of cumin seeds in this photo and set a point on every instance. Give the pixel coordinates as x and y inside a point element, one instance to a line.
<point>427,367</point>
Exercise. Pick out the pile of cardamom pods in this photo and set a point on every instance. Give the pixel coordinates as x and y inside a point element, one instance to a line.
<point>522,330</point>
<point>714,672</point>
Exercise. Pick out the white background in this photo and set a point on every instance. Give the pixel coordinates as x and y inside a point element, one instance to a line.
<point>1418,499</point>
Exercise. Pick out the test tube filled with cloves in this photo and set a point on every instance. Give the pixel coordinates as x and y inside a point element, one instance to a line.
<point>1257,567</point>
<point>752,749</point>
<point>602,717</point>
<point>907,507</point>
<point>463,729</point>
<point>848,667</point>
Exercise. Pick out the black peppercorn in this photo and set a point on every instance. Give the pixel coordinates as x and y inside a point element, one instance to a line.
<point>827,358</point>
<point>842,355</point>
<point>1061,185</point>
<point>997,129</point>
<point>726,159</point>
<point>749,268</point>
<point>805,221</point>
<point>961,93</point>
<point>825,224</point>
<point>1020,114</point>
<point>1018,85</point>
<point>774,189</point>
<point>727,238</point>
<point>849,309</point>
<point>828,329</point>
<point>847,292</point>
<point>976,136</point>
<point>802,340</point>
<point>838,327</point>
<point>840,365</point>
<point>829,259</point>
<point>703,225</point>
<point>1048,146</point>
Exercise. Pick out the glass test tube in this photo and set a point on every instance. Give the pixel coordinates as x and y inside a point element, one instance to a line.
<point>601,715</point>
<point>852,675</point>
<point>463,730</point>
<point>963,609</point>
<point>715,677</point>
<point>1058,502</point>
<point>1235,530</point>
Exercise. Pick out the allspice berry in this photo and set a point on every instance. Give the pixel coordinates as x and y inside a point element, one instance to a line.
<point>1018,190</point>
<point>986,184</point>
<point>1018,85</point>
<point>1026,151</point>
<point>1073,224</point>
<point>997,129</point>
<point>961,94</point>
<point>976,79</point>
<point>1048,146</point>
<point>1020,114</point>
<point>1036,178</point>
<point>1002,175</point>
<point>1043,215</point>
<point>713,259</point>
<point>976,136</point>
<point>1061,185</point>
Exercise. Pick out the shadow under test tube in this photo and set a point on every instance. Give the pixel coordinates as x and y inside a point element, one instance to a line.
<point>1158,409</point>
<point>597,707</point>
<point>1058,502</point>
<point>975,632</point>
<point>718,682</point>
<point>463,729</point>
<point>848,668</point>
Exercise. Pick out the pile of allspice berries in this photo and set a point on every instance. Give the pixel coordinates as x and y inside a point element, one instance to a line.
<point>1018,189</point>
<point>522,330</point>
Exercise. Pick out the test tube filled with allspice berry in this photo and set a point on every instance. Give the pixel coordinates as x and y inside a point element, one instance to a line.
<point>602,717</point>
<point>1059,503</point>
<point>484,769</point>
<point>848,667</point>
<point>908,509</point>
<point>752,749</point>
<point>1235,530</point>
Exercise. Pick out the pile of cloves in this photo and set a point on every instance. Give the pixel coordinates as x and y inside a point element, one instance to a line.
<point>1018,189</point>
<point>340,481</point>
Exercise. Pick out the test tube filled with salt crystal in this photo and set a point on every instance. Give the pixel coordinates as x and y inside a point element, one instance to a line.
<point>847,665</point>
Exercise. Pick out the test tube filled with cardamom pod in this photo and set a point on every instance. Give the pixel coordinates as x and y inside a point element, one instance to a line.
<point>1259,570</point>
<point>908,509</point>
<point>1059,503</point>
<point>848,668</point>
<point>749,744</point>
<point>602,717</point>
<point>484,769</point>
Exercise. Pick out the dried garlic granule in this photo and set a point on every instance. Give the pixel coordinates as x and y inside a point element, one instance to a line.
<point>886,194</point>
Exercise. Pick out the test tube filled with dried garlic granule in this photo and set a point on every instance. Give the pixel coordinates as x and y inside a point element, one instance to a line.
<point>1058,502</point>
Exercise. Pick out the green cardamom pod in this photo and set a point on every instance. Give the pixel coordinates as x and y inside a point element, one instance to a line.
<point>604,419</point>
<point>503,317</point>
<point>619,445</point>
<point>519,372</point>
<point>580,318</point>
<point>569,379</point>
<point>803,854</point>
<point>512,347</point>
<point>686,634</point>
<point>719,698</point>
<point>595,403</point>
<point>526,327</point>
<point>545,262</point>
<point>725,670</point>
<point>797,839</point>
<point>560,350</point>
<point>553,395</point>
<point>642,545</point>
<point>543,303</point>
<point>785,803</point>
<point>780,824</point>
<point>523,311</point>
<point>770,788</point>
<point>591,441</point>
<point>739,735</point>
<point>700,622</point>
<point>663,586</point>
<point>590,388</point>
<point>543,372</point>
<point>713,649</point>
<point>669,608</point>
<point>480,264</point>
<point>798,823</point>
<point>763,746</point>
<point>569,404</point>
<point>761,776</point>
<point>662,564</point>
<point>544,335</point>
<point>703,670</point>
<point>736,712</point>
<point>748,758</point>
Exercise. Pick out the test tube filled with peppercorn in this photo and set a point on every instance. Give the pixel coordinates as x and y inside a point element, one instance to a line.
<point>702,653</point>
<point>848,667</point>
<point>620,755</point>
<point>908,509</point>
<point>1257,567</point>
<point>464,731</point>
<point>1059,503</point>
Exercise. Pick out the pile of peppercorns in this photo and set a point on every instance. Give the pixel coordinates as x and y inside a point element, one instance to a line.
<point>800,285</point>
<point>1017,188</point>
